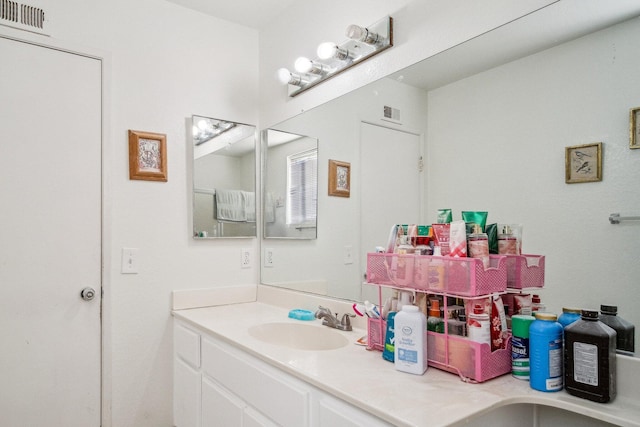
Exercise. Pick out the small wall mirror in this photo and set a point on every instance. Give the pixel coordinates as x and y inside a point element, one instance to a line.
<point>224,178</point>
<point>290,185</point>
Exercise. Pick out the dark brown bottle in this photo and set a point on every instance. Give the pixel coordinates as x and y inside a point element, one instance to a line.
<point>590,358</point>
<point>624,329</point>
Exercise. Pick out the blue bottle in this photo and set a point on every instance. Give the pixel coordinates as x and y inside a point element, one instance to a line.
<point>546,354</point>
<point>568,316</point>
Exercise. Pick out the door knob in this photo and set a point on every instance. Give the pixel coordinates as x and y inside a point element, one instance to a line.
<point>88,294</point>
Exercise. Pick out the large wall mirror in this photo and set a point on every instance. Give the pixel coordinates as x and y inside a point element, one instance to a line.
<point>491,118</point>
<point>224,184</point>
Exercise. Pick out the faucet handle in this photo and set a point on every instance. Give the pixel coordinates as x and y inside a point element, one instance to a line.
<point>345,323</point>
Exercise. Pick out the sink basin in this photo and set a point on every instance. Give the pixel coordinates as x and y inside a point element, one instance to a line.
<point>299,336</point>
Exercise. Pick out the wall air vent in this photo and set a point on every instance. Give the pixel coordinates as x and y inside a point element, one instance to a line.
<point>22,16</point>
<point>391,114</point>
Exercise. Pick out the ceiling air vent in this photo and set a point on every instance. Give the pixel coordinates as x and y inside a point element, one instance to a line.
<point>22,16</point>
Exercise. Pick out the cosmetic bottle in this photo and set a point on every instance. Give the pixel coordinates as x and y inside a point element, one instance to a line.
<point>625,330</point>
<point>590,358</point>
<point>507,241</point>
<point>455,324</point>
<point>410,350</point>
<point>422,246</point>
<point>478,243</point>
<point>436,271</point>
<point>404,264</point>
<point>435,322</point>
<point>478,325</point>
<point>536,305</point>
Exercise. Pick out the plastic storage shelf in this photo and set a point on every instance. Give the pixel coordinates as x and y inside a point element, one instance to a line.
<point>525,271</point>
<point>472,361</point>
<point>464,277</point>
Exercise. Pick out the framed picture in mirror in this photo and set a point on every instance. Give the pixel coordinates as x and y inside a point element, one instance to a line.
<point>583,163</point>
<point>339,178</point>
<point>147,156</point>
<point>634,129</point>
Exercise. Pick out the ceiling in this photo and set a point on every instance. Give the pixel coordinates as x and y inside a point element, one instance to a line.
<point>250,13</point>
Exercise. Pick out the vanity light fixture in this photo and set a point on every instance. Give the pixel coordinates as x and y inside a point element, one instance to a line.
<point>332,58</point>
<point>207,129</point>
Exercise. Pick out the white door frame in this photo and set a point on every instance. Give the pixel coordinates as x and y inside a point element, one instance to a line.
<point>105,318</point>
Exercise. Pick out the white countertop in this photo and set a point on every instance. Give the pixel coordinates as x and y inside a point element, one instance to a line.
<point>364,379</point>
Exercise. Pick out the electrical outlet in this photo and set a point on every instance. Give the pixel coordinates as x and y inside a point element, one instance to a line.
<point>129,261</point>
<point>245,258</point>
<point>268,257</point>
<point>348,254</point>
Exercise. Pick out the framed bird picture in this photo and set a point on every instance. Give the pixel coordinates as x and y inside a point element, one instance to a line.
<point>583,163</point>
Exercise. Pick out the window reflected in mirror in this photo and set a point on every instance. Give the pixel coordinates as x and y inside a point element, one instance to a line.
<point>290,185</point>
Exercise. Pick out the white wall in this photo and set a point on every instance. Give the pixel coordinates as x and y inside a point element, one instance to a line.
<point>496,141</point>
<point>167,63</point>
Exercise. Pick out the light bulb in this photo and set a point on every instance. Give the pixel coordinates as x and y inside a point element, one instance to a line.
<point>303,65</point>
<point>284,76</point>
<point>327,50</point>
<point>202,124</point>
<point>361,34</point>
<point>195,131</point>
<point>356,32</point>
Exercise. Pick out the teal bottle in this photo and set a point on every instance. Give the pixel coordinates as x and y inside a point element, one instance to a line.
<point>388,352</point>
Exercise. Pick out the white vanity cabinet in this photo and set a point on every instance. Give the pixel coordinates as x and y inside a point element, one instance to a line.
<point>217,384</point>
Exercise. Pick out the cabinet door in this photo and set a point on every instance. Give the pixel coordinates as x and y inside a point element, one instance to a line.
<point>253,418</point>
<point>219,407</point>
<point>334,412</point>
<point>262,387</point>
<point>186,395</point>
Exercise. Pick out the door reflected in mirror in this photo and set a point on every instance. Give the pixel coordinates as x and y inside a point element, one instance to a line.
<point>290,185</point>
<point>224,184</point>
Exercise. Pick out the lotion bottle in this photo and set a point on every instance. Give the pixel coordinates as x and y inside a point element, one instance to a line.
<point>479,245</point>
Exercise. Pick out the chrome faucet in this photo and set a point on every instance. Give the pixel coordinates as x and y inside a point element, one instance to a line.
<point>328,319</point>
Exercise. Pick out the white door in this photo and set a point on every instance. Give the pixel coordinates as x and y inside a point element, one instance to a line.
<point>390,183</point>
<point>50,237</point>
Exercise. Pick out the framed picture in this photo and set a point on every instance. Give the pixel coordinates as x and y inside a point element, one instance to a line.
<point>147,156</point>
<point>339,178</point>
<point>583,163</point>
<point>634,128</point>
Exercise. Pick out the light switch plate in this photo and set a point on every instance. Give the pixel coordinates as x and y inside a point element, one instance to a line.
<point>348,254</point>
<point>129,261</point>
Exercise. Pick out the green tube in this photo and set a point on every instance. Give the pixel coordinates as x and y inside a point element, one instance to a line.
<point>476,217</point>
<point>445,216</point>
